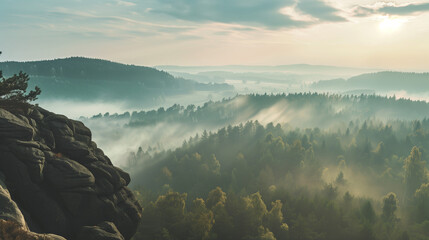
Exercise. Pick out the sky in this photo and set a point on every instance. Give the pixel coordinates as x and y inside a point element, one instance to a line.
<point>366,33</point>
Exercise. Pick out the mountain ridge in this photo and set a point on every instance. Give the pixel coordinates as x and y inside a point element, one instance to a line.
<point>414,82</point>
<point>281,67</point>
<point>79,78</point>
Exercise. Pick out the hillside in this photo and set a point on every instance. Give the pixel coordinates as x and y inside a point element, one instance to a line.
<point>379,81</point>
<point>298,110</point>
<point>296,68</point>
<point>89,79</point>
<point>168,127</point>
<point>252,181</point>
<point>260,78</point>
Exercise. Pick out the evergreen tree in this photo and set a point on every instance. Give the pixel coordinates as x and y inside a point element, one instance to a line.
<point>415,174</point>
<point>390,204</point>
<point>422,203</point>
<point>14,88</point>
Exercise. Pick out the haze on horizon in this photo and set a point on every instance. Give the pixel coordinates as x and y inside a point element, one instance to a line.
<point>368,33</point>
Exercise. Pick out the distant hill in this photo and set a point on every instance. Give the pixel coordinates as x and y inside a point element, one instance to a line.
<point>296,68</point>
<point>260,78</point>
<point>87,79</point>
<point>379,81</point>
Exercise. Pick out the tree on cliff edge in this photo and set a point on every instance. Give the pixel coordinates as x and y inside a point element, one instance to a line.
<point>14,88</point>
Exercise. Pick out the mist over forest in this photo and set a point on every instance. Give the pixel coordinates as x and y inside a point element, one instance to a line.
<point>166,128</point>
<point>244,152</point>
<point>214,120</point>
<point>72,85</point>
<point>99,84</point>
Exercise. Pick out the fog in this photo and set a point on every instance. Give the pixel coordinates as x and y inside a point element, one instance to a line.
<point>119,138</point>
<point>118,141</point>
<point>75,109</point>
<point>309,147</point>
<point>120,134</point>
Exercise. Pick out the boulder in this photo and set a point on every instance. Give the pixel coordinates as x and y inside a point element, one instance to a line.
<point>107,172</point>
<point>12,127</point>
<point>9,210</point>
<point>81,129</point>
<point>47,137</point>
<point>37,115</point>
<point>71,148</point>
<point>40,204</point>
<point>85,208</point>
<point>60,124</point>
<point>30,154</point>
<point>10,230</point>
<point>62,182</point>
<point>65,174</point>
<point>103,231</point>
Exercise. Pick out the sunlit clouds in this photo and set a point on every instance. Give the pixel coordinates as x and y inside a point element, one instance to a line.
<point>296,15</point>
<point>346,33</point>
<point>391,24</point>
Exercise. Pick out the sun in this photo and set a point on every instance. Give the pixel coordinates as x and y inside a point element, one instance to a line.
<point>391,24</point>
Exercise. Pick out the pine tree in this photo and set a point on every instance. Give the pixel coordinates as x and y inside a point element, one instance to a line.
<point>14,88</point>
<point>415,174</point>
<point>390,205</point>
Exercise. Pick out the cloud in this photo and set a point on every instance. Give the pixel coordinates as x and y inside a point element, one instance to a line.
<point>103,26</point>
<point>360,11</point>
<point>409,9</point>
<point>126,4</point>
<point>296,14</point>
<point>258,13</point>
<point>320,10</point>
<point>387,8</point>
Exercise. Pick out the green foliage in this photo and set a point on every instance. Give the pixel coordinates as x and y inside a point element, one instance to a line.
<point>14,88</point>
<point>390,205</point>
<point>340,179</point>
<point>422,203</point>
<point>321,110</point>
<point>415,172</point>
<point>216,197</point>
<point>164,218</point>
<point>199,220</point>
<point>232,217</point>
<point>284,183</point>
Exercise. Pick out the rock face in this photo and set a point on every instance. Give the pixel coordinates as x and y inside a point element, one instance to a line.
<point>9,210</point>
<point>10,230</point>
<point>62,183</point>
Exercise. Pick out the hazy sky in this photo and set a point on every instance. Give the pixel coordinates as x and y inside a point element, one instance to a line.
<point>382,34</point>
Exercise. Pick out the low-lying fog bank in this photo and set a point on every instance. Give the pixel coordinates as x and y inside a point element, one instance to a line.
<point>167,128</point>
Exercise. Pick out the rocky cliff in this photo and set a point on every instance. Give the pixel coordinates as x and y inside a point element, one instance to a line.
<point>55,180</point>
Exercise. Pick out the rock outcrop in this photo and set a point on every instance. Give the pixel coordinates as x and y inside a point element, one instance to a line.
<point>57,181</point>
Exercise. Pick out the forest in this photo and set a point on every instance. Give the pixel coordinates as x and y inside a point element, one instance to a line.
<point>167,127</point>
<point>250,181</point>
<point>292,166</point>
<point>64,79</point>
<point>366,179</point>
<point>214,120</point>
<point>296,109</point>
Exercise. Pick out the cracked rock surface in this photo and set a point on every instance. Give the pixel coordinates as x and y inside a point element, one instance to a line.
<point>56,180</point>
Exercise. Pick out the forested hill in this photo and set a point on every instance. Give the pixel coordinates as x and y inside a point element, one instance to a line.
<point>86,79</point>
<point>292,68</point>
<point>88,68</point>
<point>298,110</point>
<point>380,81</point>
<point>366,182</point>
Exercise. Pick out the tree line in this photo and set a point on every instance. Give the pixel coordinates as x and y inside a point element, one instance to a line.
<point>275,183</point>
